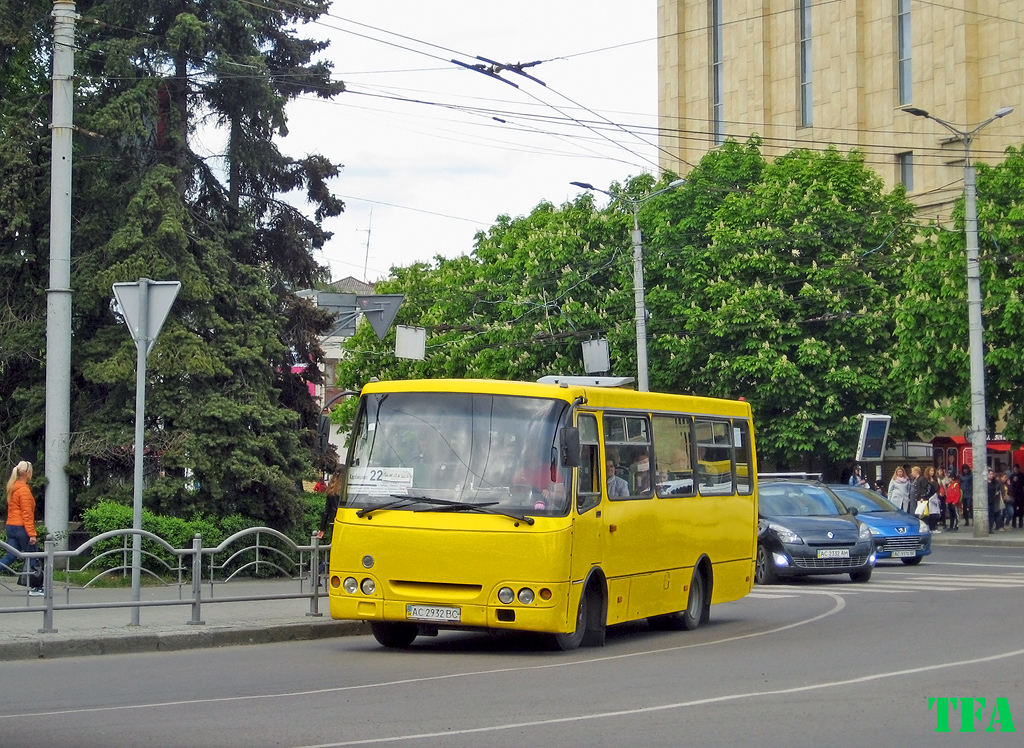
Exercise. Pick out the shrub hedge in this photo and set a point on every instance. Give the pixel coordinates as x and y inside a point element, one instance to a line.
<point>178,533</point>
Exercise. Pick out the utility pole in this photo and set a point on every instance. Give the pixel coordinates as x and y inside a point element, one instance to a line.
<point>366,259</point>
<point>58,295</point>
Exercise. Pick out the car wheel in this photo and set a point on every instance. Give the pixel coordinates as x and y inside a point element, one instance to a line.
<point>764,569</point>
<point>861,576</point>
<point>394,635</point>
<point>912,561</point>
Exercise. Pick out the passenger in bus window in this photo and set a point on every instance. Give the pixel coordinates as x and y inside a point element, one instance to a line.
<point>641,470</point>
<point>616,486</point>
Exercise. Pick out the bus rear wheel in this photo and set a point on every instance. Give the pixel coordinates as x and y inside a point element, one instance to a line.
<point>394,635</point>
<point>693,616</point>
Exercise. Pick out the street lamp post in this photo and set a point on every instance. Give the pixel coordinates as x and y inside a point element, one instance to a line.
<point>639,303</point>
<point>975,329</point>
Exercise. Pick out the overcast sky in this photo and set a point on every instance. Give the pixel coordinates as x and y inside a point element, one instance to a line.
<point>437,151</point>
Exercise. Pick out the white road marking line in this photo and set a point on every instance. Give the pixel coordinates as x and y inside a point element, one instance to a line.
<point>667,707</point>
<point>839,605</point>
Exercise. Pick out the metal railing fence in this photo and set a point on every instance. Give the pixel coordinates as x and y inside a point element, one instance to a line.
<point>192,569</point>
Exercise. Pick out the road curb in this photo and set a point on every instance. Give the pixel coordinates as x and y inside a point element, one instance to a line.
<point>992,541</point>
<point>106,642</point>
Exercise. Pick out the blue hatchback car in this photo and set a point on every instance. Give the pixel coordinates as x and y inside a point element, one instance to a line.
<point>897,534</point>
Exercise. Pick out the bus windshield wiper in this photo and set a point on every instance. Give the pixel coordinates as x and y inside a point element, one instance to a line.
<point>485,508</point>
<point>399,499</point>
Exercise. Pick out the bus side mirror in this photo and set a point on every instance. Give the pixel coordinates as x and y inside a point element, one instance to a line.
<point>570,447</point>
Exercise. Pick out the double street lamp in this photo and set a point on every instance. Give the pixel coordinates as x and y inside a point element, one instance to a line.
<point>975,330</point>
<point>638,272</point>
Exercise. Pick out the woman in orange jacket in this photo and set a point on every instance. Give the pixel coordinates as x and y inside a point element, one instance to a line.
<point>21,513</point>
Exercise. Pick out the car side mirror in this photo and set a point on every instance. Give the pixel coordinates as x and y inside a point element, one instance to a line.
<point>852,510</point>
<point>570,439</point>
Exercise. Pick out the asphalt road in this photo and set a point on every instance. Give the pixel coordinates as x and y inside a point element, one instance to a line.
<point>816,664</point>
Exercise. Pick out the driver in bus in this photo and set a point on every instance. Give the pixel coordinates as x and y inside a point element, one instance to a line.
<point>538,477</point>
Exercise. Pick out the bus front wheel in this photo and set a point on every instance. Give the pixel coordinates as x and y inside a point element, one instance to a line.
<point>394,635</point>
<point>571,641</point>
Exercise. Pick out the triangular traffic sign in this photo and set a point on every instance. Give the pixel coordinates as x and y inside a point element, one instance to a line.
<point>160,296</point>
<point>380,310</point>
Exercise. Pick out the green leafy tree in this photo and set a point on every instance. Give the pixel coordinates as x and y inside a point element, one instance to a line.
<point>932,322</point>
<point>24,221</point>
<point>777,282</point>
<point>784,293</point>
<point>517,308</point>
<point>230,426</point>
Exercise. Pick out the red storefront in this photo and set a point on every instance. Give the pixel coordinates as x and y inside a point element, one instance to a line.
<point>954,451</point>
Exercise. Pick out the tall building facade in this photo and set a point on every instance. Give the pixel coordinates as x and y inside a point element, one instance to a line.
<point>810,73</point>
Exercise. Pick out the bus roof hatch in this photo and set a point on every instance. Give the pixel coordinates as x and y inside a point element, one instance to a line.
<point>587,381</point>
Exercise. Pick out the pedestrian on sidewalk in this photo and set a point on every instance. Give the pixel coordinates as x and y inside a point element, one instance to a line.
<point>953,497</point>
<point>994,488</point>
<point>21,519</point>
<point>931,493</point>
<point>942,481</point>
<point>899,490</point>
<point>967,494</point>
<point>1017,491</point>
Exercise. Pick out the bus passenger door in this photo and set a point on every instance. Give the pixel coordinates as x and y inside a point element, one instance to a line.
<point>588,524</point>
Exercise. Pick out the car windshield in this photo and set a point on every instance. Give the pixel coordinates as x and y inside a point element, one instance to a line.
<point>461,451</point>
<point>797,500</point>
<point>863,500</point>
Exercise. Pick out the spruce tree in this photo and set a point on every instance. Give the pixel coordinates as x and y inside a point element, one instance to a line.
<point>230,427</point>
<point>24,218</point>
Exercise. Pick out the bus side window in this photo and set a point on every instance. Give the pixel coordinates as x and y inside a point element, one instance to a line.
<point>588,492</point>
<point>673,454</point>
<point>714,457</point>
<point>741,448</point>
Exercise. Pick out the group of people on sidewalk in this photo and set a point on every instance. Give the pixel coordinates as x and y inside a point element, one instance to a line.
<point>942,499</point>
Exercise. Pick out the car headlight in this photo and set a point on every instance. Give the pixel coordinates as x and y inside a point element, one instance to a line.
<point>785,534</point>
<point>864,533</point>
<point>922,527</point>
<point>873,530</point>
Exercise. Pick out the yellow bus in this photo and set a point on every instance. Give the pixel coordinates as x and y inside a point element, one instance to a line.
<point>562,507</point>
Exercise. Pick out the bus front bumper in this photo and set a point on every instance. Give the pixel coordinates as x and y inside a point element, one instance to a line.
<point>542,616</point>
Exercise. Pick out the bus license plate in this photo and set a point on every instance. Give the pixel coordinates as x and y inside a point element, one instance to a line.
<point>833,553</point>
<point>904,554</point>
<point>439,613</point>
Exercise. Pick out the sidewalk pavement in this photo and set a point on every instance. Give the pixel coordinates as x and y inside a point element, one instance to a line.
<point>167,627</point>
<point>161,627</point>
<point>1013,538</point>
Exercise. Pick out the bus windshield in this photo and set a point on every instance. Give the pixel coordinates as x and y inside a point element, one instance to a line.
<point>461,450</point>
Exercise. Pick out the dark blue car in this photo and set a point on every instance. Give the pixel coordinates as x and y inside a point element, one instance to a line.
<point>897,534</point>
<point>804,529</point>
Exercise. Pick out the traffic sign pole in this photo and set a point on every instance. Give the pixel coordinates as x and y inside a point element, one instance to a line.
<point>145,305</point>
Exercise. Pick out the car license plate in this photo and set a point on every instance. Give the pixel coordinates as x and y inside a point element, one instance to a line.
<point>833,553</point>
<point>904,554</point>
<point>440,613</point>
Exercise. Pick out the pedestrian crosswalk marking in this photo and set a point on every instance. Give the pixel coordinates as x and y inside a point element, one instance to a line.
<point>922,583</point>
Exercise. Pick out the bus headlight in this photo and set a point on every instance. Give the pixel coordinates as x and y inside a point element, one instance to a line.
<point>526,596</point>
<point>506,595</point>
<point>367,586</point>
<point>351,585</point>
